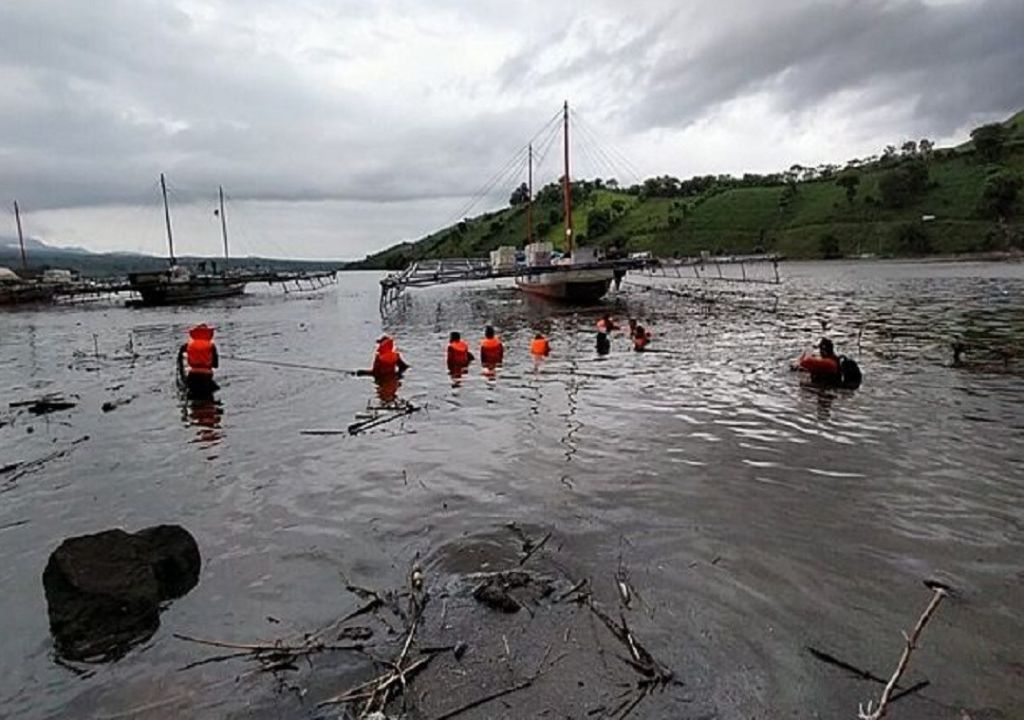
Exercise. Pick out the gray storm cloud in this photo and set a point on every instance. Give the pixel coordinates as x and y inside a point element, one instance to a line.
<point>401,102</point>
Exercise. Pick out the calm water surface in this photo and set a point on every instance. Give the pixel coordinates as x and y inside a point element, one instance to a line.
<point>756,516</point>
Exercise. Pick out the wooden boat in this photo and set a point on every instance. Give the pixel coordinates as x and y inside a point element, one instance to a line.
<point>23,289</point>
<point>180,284</point>
<point>581,277</point>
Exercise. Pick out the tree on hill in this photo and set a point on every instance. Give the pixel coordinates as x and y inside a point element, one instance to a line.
<point>989,140</point>
<point>901,185</point>
<point>849,181</point>
<point>520,196</point>
<point>599,222</point>
<point>999,196</point>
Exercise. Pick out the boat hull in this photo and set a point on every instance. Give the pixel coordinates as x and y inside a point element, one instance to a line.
<point>577,286</point>
<point>156,289</point>
<point>27,293</point>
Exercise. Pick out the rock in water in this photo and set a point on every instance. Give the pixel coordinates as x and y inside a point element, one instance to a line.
<point>104,591</point>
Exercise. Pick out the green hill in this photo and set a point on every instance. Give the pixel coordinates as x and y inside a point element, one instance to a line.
<point>911,200</point>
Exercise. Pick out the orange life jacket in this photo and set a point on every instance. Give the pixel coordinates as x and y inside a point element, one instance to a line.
<point>540,346</point>
<point>820,367</point>
<point>199,350</point>
<point>458,353</point>
<point>491,351</point>
<point>385,362</point>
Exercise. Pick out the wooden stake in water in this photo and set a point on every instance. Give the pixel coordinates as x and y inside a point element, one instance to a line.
<point>868,713</point>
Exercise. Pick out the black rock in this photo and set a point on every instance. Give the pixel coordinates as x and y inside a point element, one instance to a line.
<point>104,591</point>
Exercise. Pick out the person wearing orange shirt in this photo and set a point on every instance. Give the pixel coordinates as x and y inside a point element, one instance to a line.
<point>492,351</point>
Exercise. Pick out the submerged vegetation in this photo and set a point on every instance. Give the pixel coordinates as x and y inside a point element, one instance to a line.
<point>914,199</point>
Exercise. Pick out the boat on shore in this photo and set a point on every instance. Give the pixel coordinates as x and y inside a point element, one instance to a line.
<point>179,284</point>
<point>578,278</point>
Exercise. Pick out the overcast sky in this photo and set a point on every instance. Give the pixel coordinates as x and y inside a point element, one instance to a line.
<point>339,127</point>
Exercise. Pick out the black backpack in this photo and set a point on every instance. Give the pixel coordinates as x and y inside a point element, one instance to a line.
<point>849,373</point>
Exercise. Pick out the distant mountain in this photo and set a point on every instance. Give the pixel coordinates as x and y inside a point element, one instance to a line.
<point>118,264</point>
<point>10,242</point>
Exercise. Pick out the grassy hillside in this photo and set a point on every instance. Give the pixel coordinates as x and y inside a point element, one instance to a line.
<point>800,213</point>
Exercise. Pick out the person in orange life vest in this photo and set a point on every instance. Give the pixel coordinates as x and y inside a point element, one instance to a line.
<point>492,351</point>
<point>540,347</point>
<point>200,355</point>
<point>824,367</point>
<point>606,325</point>
<point>641,337</point>
<point>387,363</point>
<point>458,355</point>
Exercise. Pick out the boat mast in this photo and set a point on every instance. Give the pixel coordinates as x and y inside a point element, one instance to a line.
<point>529,197</point>
<point>223,225</point>
<point>167,217</point>
<point>21,238</point>
<point>566,185</point>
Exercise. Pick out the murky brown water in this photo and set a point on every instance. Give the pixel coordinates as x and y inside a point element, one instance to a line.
<point>755,516</point>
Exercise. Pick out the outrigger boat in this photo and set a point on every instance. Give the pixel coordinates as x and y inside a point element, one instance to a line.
<point>580,277</point>
<point>180,284</point>
<point>24,288</point>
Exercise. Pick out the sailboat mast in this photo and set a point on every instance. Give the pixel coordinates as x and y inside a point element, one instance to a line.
<point>167,217</point>
<point>223,225</point>
<point>529,197</point>
<point>566,185</point>
<point>21,238</point>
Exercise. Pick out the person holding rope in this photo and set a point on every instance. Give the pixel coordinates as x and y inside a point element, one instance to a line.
<point>200,353</point>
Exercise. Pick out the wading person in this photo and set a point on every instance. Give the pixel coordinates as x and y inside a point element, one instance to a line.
<point>641,336</point>
<point>458,356</point>
<point>540,347</point>
<point>387,363</point>
<point>827,368</point>
<point>492,351</point>
<point>199,354</point>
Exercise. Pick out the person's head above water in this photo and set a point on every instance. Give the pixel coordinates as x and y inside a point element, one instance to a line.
<point>538,336</point>
<point>489,332</point>
<point>455,336</point>
<point>826,348</point>
<point>385,344</point>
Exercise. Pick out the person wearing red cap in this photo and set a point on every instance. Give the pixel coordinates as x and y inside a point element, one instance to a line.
<point>200,354</point>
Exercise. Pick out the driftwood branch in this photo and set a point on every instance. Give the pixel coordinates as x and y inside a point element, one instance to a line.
<point>872,713</point>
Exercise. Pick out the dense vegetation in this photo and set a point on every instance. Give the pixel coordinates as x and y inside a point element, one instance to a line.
<point>914,199</point>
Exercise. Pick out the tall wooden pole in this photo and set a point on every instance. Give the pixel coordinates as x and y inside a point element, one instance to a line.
<point>529,197</point>
<point>167,217</point>
<point>21,238</point>
<point>223,225</point>
<point>566,185</point>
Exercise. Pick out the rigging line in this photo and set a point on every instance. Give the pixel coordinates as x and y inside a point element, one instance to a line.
<point>491,182</point>
<point>601,154</point>
<point>606,147</point>
<point>609,148</point>
<point>542,155</point>
<point>516,167</point>
<point>588,134</point>
<point>477,196</point>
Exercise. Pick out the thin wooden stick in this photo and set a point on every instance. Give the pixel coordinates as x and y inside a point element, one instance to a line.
<point>867,713</point>
<point>486,699</point>
<point>535,548</point>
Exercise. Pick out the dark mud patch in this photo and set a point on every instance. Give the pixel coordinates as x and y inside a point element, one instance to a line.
<point>496,638</point>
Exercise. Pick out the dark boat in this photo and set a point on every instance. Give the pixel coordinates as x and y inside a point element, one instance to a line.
<point>579,279</point>
<point>24,288</point>
<point>179,284</point>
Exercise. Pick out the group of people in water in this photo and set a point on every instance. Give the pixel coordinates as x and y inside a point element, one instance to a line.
<point>198,358</point>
